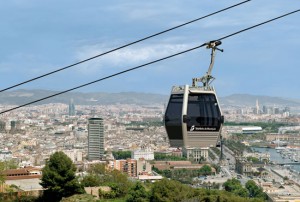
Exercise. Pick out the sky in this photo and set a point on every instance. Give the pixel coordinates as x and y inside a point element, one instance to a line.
<point>41,36</point>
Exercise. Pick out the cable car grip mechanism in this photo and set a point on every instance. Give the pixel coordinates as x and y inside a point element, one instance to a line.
<point>208,78</point>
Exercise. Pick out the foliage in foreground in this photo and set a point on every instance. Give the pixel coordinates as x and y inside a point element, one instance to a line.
<point>251,189</point>
<point>170,190</point>
<point>60,169</point>
<point>79,198</point>
<point>59,178</point>
<point>254,190</point>
<point>116,180</point>
<point>137,193</point>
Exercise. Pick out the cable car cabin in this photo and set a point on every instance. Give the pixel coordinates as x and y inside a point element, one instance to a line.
<point>193,117</point>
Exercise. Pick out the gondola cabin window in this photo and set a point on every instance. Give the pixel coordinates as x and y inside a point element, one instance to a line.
<point>173,116</point>
<point>203,112</point>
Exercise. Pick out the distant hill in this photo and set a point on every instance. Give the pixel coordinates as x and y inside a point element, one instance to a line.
<point>250,100</point>
<point>24,96</point>
<point>19,97</point>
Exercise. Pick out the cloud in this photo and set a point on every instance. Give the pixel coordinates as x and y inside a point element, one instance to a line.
<point>144,10</point>
<point>125,57</point>
<point>5,67</point>
<point>238,19</point>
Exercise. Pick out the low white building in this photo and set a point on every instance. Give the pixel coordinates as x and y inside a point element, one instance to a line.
<point>153,178</point>
<point>146,154</point>
<point>75,155</point>
<point>5,155</point>
<point>197,154</point>
<point>251,130</point>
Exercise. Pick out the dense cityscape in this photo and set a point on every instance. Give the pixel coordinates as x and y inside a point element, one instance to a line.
<point>132,139</point>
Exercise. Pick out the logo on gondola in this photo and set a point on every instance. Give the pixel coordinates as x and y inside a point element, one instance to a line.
<point>192,128</point>
<point>195,128</point>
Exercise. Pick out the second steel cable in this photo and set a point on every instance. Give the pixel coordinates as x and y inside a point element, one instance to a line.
<point>152,62</point>
<point>121,47</point>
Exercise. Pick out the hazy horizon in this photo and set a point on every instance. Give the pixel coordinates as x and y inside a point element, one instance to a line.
<point>164,94</point>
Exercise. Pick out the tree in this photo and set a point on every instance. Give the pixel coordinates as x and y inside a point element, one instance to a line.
<point>98,169</point>
<point>122,154</point>
<point>2,167</point>
<point>9,164</point>
<point>137,193</point>
<point>234,186</point>
<point>79,197</point>
<point>6,165</point>
<point>117,181</point>
<point>205,170</point>
<point>254,190</point>
<point>253,159</point>
<point>91,180</point>
<point>95,177</point>
<point>24,198</point>
<point>115,192</point>
<point>163,157</point>
<point>241,191</point>
<point>59,178</point>
<point>170,190</point>
<point>99,176</point>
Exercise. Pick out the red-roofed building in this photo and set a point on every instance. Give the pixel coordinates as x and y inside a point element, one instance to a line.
<point>22,173</point>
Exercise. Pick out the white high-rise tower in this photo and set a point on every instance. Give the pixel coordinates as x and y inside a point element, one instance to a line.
<point>257,107</point>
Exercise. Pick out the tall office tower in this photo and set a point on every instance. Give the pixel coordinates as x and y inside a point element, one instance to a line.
<point>95,139</point>
<point>276,110</point>
<point>265,109</point>
<point>287,109</point>
<point>13,125</point>
<point>2,126</point>
<point>71,108</point>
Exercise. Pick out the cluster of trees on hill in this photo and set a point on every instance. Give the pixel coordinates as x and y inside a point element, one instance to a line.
<point>61,184</point>
<point>121,154</point>
<point>236,146</point>
<point>250,190</point>
<point>163,157</point>
<point>171,190</point>
<point>184,175</point>
<point>99,176</point>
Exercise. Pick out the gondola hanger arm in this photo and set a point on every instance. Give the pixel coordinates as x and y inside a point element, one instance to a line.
<point>205,80</point>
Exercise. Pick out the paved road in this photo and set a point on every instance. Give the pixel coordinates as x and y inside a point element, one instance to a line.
<point>283,171</point>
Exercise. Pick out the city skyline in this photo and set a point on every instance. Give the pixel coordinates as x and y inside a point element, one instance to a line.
<point>33,134</point>
<point>255,62</point>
